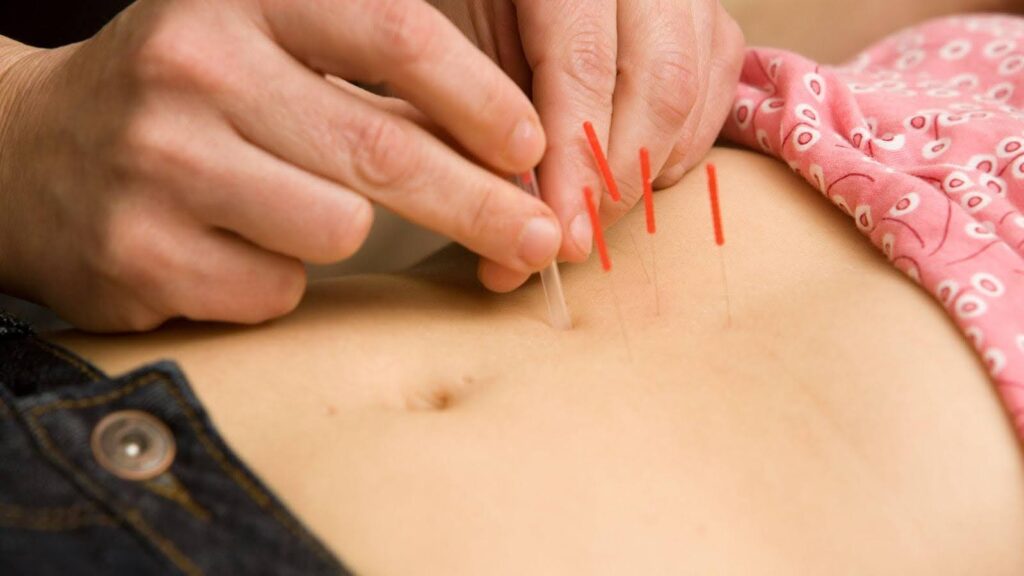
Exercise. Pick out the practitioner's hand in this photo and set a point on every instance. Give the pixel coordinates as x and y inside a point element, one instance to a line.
<point>659,74</point>
<point>187,158</point>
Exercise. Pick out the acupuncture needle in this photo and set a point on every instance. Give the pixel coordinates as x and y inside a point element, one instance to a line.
<point>716,217</point>
<point>550,279</point>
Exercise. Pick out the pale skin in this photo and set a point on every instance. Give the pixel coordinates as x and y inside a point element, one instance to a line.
<point>191,156</point>
<point>838,425</point>
<point>656,74</point>
<point>158,170</point>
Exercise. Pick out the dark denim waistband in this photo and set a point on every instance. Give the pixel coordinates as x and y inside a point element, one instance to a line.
<point>62,511</point>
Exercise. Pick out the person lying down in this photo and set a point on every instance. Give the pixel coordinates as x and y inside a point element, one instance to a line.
<point>819,412</point>
<point>418,424</point>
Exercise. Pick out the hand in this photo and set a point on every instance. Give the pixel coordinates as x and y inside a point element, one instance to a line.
<point>185,160</point>
<point>659,74</point>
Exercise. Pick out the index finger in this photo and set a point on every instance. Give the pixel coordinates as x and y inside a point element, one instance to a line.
<point>423,58</point>
<point>572,49</point>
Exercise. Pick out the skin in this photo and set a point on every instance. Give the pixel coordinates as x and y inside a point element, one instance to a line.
<point>193,154</point>
<point>181,210</point>
<point>839,424</point>
<point>768,445</point>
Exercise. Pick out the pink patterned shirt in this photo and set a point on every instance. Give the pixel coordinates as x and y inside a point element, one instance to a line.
<point>920,140</point>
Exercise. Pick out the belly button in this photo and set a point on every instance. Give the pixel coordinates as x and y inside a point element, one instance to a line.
<point>440,395</point>
<point>429,399</point>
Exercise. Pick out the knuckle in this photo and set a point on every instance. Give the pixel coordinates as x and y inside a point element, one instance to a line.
<point>172,55</point>
<point>384,159</point>
<point>478,217</point>
<point>140,133</point>
<point>143,141</point>
<point>632,193</point>
<point>158,56</point>
<point>148,145</point>
<point>406,30</point>
<point>493,100</point>
<point>126,257</point>
<point>591,63</point>
<point>673,87</point>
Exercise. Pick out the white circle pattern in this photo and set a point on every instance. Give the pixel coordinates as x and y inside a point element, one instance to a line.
<point>923,136</point>
<point>863,217</point>
<point>970,306</point>
<point>988,284</point>
<point>955,49</point>
<point>905,205</point>
<point>975,201</point>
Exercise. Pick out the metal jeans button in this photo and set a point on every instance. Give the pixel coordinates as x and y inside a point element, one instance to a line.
<point>133,445</point>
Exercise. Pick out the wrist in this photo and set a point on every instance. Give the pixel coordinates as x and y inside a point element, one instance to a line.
<point>13,57</point>
<point>21,67</point>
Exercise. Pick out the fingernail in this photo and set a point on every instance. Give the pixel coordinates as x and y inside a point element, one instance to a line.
<point>522,144</point>
<point>538,243</point>
<point>582,233</point>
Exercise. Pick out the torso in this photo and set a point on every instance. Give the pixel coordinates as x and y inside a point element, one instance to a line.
<point>837,424</point>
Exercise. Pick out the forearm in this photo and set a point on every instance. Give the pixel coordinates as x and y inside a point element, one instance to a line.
<point>830,31</point>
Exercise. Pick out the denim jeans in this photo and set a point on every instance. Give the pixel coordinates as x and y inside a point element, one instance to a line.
<point>68,507</point>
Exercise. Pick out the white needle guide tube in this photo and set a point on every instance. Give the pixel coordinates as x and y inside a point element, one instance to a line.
<point>549,277</point>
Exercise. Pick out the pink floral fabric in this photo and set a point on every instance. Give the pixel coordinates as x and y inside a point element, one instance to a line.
<point>920,140</point>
